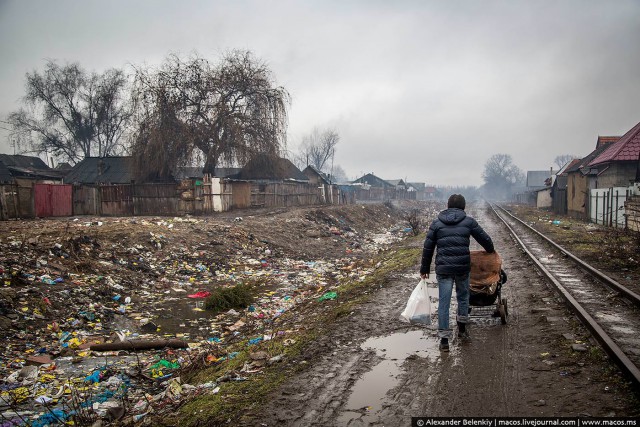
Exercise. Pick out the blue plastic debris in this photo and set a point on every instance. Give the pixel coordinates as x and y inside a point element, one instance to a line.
<point>255,340</point>
<point>93,378</point>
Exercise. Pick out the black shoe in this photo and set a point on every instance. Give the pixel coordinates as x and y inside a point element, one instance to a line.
<point>462,331</point>
<point>444,344</point>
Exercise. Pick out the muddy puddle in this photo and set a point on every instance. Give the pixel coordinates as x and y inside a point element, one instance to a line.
<point>185,318</point>
<point>368,394</point>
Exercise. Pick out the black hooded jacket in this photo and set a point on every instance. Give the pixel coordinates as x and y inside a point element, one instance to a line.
<point>450,234</point>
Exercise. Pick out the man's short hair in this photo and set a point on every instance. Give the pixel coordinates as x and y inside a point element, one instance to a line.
<point>456,201</point>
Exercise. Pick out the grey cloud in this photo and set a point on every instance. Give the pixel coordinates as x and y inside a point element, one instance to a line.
<point>406,84</point>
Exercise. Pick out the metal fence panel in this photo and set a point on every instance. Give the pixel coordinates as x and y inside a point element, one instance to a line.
<point>607,206</point>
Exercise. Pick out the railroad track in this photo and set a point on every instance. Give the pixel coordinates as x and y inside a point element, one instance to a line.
<point>608,309</point>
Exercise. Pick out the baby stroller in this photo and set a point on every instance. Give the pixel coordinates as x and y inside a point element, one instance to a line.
<point>485,283</point>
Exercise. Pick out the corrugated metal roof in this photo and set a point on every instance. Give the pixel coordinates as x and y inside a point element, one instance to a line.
<point>102,170</point>
<point>627,148</point>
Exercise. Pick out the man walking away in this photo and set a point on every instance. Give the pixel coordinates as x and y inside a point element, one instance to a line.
<point>450,234</point>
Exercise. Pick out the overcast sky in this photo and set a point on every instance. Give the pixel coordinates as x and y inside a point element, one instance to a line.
<point>419,90</point>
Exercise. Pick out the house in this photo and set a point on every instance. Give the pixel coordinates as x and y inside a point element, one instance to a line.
<point>543,198</point>
<point>374,188</point>
<point>431,193</point>
<point>373,181</point>
<point>102,170</point>
<point>265,168</point>
<point>536,181</point>
<point>30,168</point>
<point>330,191</point>
<point>418,187</point>
<point>402,189</point>
<point>316,176</point>
<point>5,174</point>
<point>25,191</point>
<point>617,165</point>
<point>559,188</point>
<point>196,173</point>
<point>188,172</point>
<point>397,183</point>
<point>581,178</point>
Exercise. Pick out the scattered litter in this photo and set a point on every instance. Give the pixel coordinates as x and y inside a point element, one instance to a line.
<point>328,296</point>
<point>104,315</point>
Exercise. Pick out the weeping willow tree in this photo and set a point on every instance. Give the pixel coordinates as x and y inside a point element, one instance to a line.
<point>224,113</point>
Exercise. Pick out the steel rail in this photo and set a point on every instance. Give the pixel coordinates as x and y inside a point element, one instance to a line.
<point>603,338</point>
<point>632,296</point>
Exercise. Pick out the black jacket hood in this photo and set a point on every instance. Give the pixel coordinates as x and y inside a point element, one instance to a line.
<point>452,216</point>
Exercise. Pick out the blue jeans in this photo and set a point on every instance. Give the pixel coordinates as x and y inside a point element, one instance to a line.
<point>445,289</point>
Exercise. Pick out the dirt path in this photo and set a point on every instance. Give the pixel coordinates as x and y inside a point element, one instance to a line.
<point>374,370</point>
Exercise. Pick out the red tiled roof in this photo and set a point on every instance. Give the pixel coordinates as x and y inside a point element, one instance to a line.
<point>627,148</point>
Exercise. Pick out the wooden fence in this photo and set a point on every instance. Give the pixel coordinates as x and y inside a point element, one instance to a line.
<point>383,194</point>
<point>195,197</point>
<point>560,201</point>
<point>17,199</point>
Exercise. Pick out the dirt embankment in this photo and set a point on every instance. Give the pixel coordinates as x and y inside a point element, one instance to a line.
<point>74,282</point>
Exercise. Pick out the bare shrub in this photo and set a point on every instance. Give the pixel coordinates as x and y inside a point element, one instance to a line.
<point>414,220</point>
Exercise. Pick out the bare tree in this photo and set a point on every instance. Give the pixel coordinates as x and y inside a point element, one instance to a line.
<point>73,114</point>
<point>229,112</point>
<point>339,175</point>
<point>500,174</point>
<point>317,148</point>
<point>563,159</point>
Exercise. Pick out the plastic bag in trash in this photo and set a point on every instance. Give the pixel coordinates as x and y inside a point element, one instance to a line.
<point>418,309</point>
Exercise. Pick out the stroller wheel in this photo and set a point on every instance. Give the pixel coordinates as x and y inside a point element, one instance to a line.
<point>503,313</point>
<point>504,303</point>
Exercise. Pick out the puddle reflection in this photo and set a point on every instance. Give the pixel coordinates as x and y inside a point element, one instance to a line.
<point>368,394</point>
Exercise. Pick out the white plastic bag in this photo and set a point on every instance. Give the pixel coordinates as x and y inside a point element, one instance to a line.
<point>418,309</point>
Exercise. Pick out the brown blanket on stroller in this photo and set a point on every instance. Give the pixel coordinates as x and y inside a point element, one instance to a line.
<point>485,272</point>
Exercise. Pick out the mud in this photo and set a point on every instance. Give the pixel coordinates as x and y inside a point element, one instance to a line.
<point>372,369</point>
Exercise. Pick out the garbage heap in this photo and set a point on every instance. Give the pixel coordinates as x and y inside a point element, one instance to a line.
<point>101,318</point>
